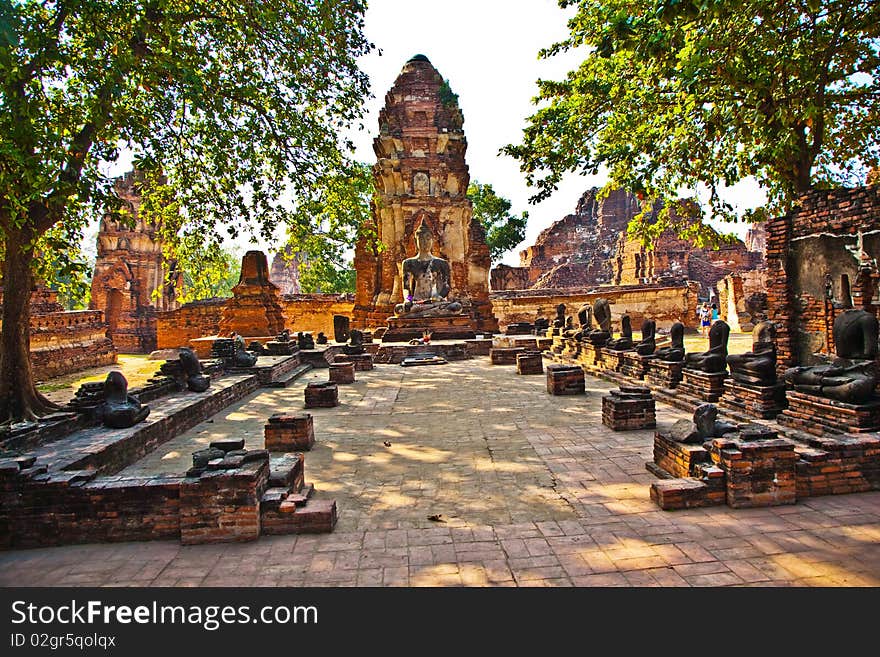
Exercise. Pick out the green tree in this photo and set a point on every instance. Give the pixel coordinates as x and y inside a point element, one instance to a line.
<point>208,269</point>
<point>503,229</point>
<point>329,220</point>
<point>229,108</point>
<point>678,94</point>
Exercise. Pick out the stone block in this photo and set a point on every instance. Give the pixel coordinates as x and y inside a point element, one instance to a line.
<point>342,372</point>
<point>505,355</point>
<point>529,363</point>
<point>565,380</point>
<point>321,395</point>
<point>289,432</point>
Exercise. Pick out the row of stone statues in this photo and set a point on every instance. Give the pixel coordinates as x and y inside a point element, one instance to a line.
<point>849,377</point>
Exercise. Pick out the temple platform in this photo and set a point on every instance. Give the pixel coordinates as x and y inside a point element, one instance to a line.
<point>700,386</point>
<point>817,415</point>
<point>762,402</point>
<point>634,365</point>
<point>451,350</point>
<point>664,373</point>
<point>453,327</point>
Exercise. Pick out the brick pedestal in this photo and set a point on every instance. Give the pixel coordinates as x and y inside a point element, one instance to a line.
<point>629,408</point>
<point>223,505</point>
<point>817,415</point>
<point>679,459</point>
<point>702,387</point>
<point>612,360</point>
<point>505,355</point>
<point>529,363</point>
<point>635,366</point>
<point>707,490</point>
<point>664,373</point>
<point>286,432</point>
<point>764,402</point>
<point>342,372</point>
<point>362,362</point>
<point>565,379</point>
<point>544,343</point>
<point>322,395</point>
<point>759,472</point>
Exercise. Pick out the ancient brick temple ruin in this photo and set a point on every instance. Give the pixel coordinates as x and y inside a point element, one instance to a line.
<point>421,171</point>
<point>591,247</point>
<point>132,278</point>
<point>284,271</point>
<point>65,341</point>
<point>821,260</point>
<point>254,309</point>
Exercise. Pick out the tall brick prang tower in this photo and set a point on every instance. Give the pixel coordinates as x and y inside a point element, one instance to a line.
<point>421,171</point>
<point>129,269</point>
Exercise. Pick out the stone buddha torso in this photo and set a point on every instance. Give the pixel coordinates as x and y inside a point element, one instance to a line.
<point>851,377</point>
<point>714,360</point>
<point>757,367</point>
<point>426,281</point>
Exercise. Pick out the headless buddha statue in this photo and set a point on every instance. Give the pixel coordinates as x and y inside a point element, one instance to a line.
<point>648,344</point>
<point>852,375</point>
<point>426,281</point>
<point>674,353</point>
<point>625,340</point>
<point>757,367</point>
<point>715,359</point>
<point>192,370</point>
<point>120,409</point>
<point>602,315</point>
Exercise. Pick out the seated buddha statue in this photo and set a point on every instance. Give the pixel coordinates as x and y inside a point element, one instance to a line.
<point>559,320</point>
<point>121,410</point>
<point>851,376</point>
<point>715,359</point>
<point>241,356</point>
<point>625,341</point>
<point>602,314</point>
<point>192,370</point>
<point>426,281</point>
<point>758,366</point>
<point>648,344</point>
<point>674,353</point>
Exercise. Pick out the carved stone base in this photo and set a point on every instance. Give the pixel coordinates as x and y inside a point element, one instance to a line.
<point>765,402</point>
<point>452,327</point>
<point>529,363</point>
<point>702,387</point>
<point>816,415</point>
<point>664,373</point>
<point>634,365</point>
<point>565,380</point>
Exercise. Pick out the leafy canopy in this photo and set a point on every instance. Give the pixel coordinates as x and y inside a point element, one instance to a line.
<point>503,229</point>
<point>328,222</point>
<point>675,94</point>
<point>229,107</point>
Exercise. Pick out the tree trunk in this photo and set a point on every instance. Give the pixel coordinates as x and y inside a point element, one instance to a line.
<point>19,399</point>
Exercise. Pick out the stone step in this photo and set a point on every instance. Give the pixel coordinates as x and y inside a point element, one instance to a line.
<point>315,516</point>
<point>292,376</point>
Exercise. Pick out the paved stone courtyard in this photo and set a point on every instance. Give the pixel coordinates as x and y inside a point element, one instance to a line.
<point>531,490</point>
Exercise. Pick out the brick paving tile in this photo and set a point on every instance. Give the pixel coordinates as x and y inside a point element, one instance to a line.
<point>534,490</point>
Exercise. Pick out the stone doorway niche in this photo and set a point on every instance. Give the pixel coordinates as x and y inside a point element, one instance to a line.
<point>114,309</point>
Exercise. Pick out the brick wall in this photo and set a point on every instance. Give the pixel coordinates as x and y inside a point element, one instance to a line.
<point>664,304</point>
<point>302,312</point>
<point>818,237</point>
